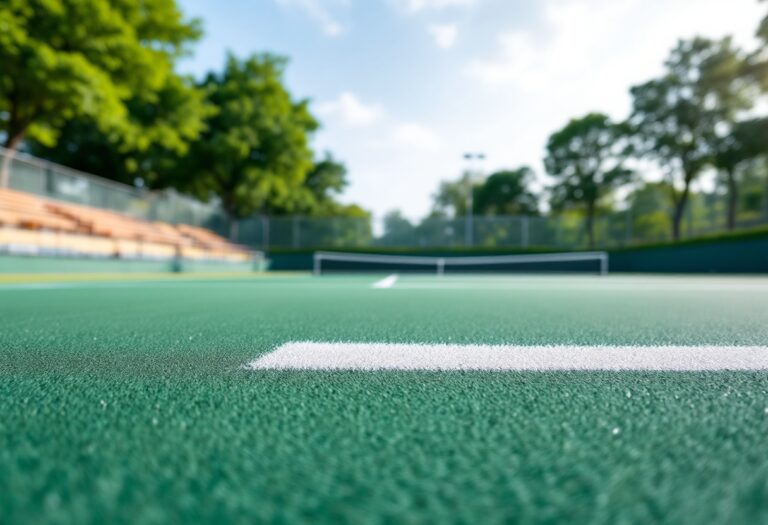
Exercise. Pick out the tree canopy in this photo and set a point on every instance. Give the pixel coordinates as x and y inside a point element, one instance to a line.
<point>586,159</point>
<point>507,192</point>
<point>747,140</point>
<point>675,117</point>
<point>70,59</point>
<point>92,84</point>
<point>160,128</point>
<point>323,184</point>
<point>254,154</point>
<point>452,197</point>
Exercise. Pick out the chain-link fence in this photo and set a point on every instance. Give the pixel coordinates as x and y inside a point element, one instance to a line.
<point>566,231</point>
<point>33,175</point>
<point>705,214</point>
<point>304,232</point>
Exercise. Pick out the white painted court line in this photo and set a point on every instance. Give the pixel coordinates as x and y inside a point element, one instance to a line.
<point>387,282</point>
<point>579,288</point>
<point>586,283</point>
<point>386,356</point>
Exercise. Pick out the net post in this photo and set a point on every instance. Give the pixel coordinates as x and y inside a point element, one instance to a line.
<point>316,264</point>
<point>603,264</point>
<point>440,267</point>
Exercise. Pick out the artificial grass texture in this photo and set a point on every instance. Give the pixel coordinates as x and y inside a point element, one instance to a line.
<point>129,403</point>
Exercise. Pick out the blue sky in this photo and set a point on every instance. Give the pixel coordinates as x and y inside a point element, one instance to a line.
<point>404,87</point>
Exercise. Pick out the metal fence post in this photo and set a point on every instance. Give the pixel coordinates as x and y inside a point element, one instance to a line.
<point>296,234</point>
<point>524,231</point>
<point>468,233</point>
<point>265,232</point>
<point>50,187</point>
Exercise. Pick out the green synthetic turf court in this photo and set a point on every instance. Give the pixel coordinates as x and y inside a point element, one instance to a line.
<point>129,402</point>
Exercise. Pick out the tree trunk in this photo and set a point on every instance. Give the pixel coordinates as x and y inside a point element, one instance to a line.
<point>11,145</point>
<point>228,204</point>
<point>680,203</point>
<point>733,198</point>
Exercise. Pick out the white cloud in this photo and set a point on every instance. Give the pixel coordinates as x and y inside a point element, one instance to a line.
<point>350,110</point>
<point>606,53</point>
<point>412,135</point>
<point>445,35</point>
<point>587,62</point>
<point>517,62</point>
<point>318,11</point>
<point>530,61</point>
<point>415,6</point>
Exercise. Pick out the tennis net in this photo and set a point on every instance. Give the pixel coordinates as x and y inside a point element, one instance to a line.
<point>574,262</point>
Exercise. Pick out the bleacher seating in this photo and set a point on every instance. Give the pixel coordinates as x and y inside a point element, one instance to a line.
<point>30,212</point>
<point>32,224</point>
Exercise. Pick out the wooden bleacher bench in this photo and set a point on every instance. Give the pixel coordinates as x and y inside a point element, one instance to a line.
<point>26,211</point>
<point>107,233</point>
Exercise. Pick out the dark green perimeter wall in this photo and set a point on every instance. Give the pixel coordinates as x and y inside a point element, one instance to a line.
<point>745,252</point>
<point>723,256</point>
<point>737,253</point>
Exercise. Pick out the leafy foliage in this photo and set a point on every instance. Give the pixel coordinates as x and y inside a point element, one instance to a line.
<point>649,211</point>
<point>66,59</point>
<point>254,154</point>
<point>452,197</point>
<point>676,117</point>
<point>586,159</point>
<point>91,84</point>
<point>323,184</point>
<point>747,140</point>
<point>507,192</point>
<point>159,131</point>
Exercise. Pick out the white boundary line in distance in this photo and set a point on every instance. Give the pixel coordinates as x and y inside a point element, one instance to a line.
<point>387,282</point>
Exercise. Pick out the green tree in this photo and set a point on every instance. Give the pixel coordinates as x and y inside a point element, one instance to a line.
<point>758,60</point>
<point>731,88</point>
<point>746,141</point>
<point>322,186</point>
<point>586,160</point>
<point>327,177</point>
<point>675,117</point>
<point>161,125</point>
<point>398,230</point>
<point>507,192</point>
<point>649,210</point>
<point>452,197</point>
<point>67,59</point>
<point>254,154</point>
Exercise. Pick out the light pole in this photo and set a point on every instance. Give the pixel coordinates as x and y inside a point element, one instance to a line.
<point>473,171</point>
